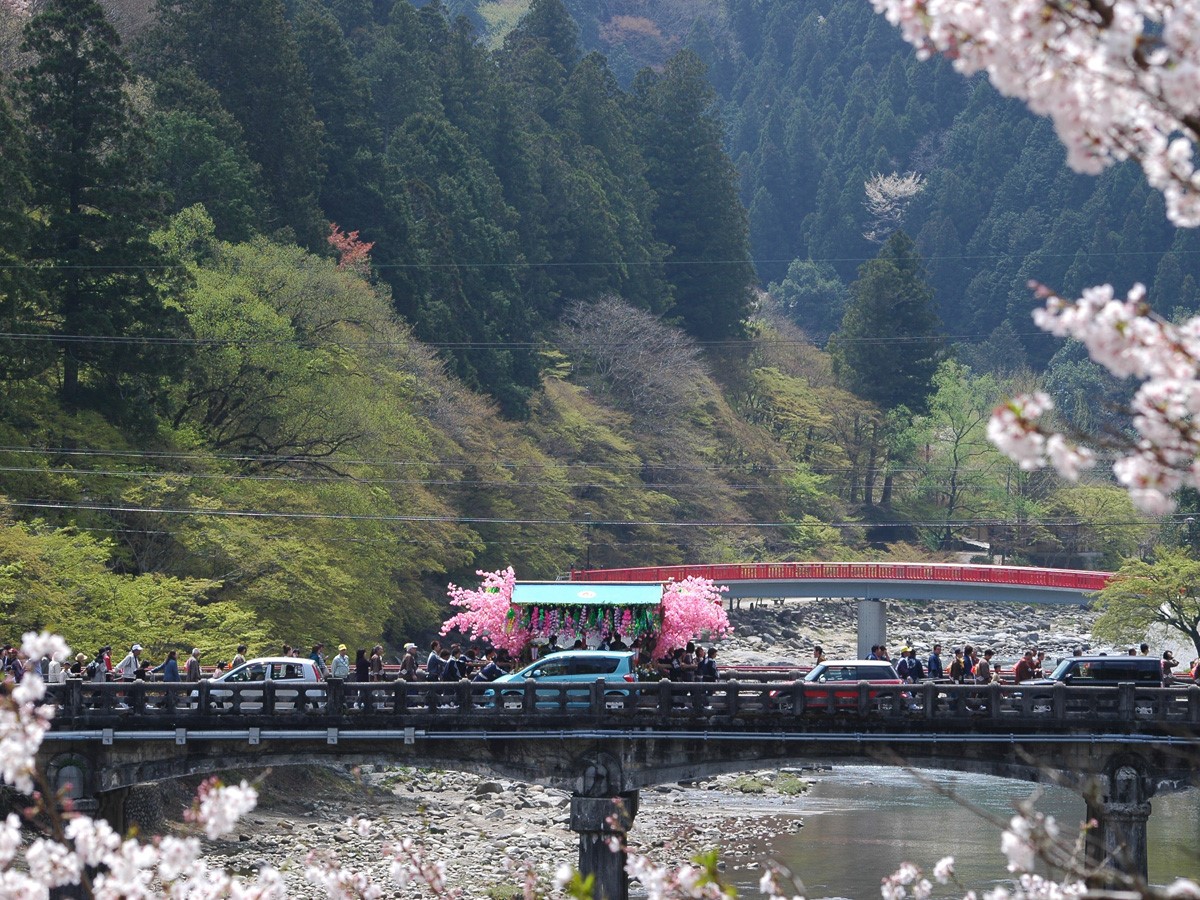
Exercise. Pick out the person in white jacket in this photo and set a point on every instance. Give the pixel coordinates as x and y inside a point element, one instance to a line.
<point>127,668</point>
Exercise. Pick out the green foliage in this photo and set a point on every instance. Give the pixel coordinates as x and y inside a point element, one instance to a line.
<point>58,579</point>
<point>1100,519</point>
<point>246,51</point>
<point>1165,591</point>
<point>89,243</point>
<point>748,784</point>
<point>791,785</point>
<point>813,296</point>
<point>18,309</point>
<point>959,470</point>
<point>697,215</point>
<point>887,348</point>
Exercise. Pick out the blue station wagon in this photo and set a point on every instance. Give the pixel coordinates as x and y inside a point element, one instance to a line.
<point>572,671</point>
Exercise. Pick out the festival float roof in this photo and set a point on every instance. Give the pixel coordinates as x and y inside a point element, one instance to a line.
<point>581,593</point>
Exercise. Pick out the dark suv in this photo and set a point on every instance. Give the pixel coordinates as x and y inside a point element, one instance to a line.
<point>1106,671</point>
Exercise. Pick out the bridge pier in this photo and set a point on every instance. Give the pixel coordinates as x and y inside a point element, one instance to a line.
<point>1118,842</point>
<point>599,821</point>
<point>872,626</point>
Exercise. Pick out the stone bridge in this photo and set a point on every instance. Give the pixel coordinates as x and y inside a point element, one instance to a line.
<point>603,742</point>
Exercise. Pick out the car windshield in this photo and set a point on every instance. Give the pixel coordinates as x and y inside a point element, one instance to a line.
<point>251,672</point>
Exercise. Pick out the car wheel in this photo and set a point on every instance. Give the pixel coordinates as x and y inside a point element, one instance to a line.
<point>886,705</point>
<point>1041,706</point>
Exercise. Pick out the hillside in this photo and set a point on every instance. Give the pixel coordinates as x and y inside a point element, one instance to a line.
<point>314,307</point>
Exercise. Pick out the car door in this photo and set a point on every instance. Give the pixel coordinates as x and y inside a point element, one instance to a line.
<point>249,679</point>
<point>291,679</point>
<point>589,670</point>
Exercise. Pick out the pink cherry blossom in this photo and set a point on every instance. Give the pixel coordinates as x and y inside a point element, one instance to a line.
<point>488,612</point>
<point>692,609</point>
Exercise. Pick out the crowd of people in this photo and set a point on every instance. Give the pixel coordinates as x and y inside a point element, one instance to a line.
<point>453,662</point>
<point>968,665</point>
<point>448,662</point>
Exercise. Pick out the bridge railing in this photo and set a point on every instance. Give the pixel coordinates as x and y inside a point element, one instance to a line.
<point>774,705</point>
<point>1073,579</point>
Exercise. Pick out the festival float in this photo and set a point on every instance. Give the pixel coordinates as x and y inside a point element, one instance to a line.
<point>511,615</point>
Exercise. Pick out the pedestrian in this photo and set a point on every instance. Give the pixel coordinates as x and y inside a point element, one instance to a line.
<point>240,657</point>
<point>340,667</point>
<point>79,666</point>
<point>433,664</point>
<point>958,667</point>
<point>710,673</point>
<point>408,663</point>
<point>318,657</point>
<point>450,666</point>
<point>1023,670</point>
<point>916,672</point>
<point>1145,648</point>
<point>983,668</point>
<point>362,666</point>
<point>1039,664</point>
<point>127,668</point>
<point>490,670</point>
<point>1169,662</point>
<point>934,664</point>
<point>169,667</point>
<point>191,670</point>
<point>56,672</point>
<point>687,663</point>
<point>818,655</point>
<point>375,663</point>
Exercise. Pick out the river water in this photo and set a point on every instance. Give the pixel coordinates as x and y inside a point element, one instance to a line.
<point>861,822</point>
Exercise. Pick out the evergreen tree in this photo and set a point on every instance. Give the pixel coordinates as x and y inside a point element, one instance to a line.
<point>351,143</point>
<point>698,214</point>
<point>91,209</point>
<point>247,51</point>
<point>548,25</point>
<point>17,315</point>
<point>198,155</point>
<point>887,348</point>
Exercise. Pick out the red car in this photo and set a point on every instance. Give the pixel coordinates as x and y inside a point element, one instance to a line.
<point>837,681</point>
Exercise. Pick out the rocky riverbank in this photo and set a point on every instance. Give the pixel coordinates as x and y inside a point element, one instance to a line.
<point>471,825</point>
<point>770,633</point>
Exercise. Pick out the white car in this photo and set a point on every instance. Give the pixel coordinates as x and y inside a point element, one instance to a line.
<point>291,676</point>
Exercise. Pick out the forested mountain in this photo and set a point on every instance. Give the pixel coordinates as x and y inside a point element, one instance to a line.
<point>311,306</point>
<point>819,95</point>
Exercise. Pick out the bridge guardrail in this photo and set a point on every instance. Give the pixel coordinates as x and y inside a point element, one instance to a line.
<point>778,705</point>
<point>1076,579</point>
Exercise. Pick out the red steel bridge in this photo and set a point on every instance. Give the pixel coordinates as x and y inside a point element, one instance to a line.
<point>877,580</point>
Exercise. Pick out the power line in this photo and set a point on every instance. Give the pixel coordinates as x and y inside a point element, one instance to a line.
<point>577,523</point>
<point>639,263</point>
<point>426,482</point>
<point>175,340</point>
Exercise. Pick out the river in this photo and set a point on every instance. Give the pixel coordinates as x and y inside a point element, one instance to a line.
<point>861,822</point>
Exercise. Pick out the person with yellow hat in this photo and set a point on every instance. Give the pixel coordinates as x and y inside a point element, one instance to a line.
<point>340,667</point>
